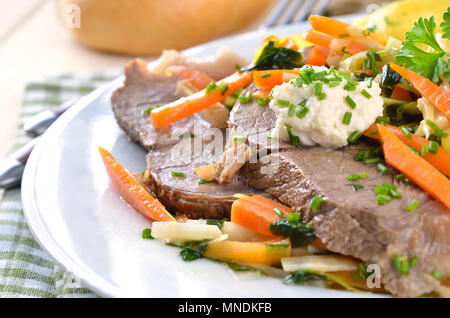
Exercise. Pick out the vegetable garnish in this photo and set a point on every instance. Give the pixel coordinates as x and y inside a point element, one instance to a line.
<point>299,232</point>
<point>318,38</point>
<point>177,174</point>
<point>436,95</point>
<point>218,223</point>
<point>430,64</point>
<point>301,277</point>
<point>147,234</point>
<point>439,160</point>
<point>398,155</point>
<point>403,265</point>
<point>347,118</point>
<point>385,193</point>
<point>276,78</point>
<point>318,56</point>
<point>354,137</point>
<point>412,205</point>
<point>257,213</point>
<point>350,102</point>
<point>293,139</point>
<point>316,202</point>
<point>187,106</point>
<point>132,192</point>
<point>273,57</point>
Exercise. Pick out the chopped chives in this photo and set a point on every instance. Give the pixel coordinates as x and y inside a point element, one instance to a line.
<point>147,234</point>
<point>413,261</point>
<point>224,88</point>
<point>318,89</point>
<point>246,99</point>
<point>372,161</point>
<point>353,177</point>
<point>315,203</point>
<point>347,118</point>
<point>354,137</point>
<point>291,110</point>
<point>437,131</point>
<point>211,86</point>
<point>357,187</point>
<point>436,274</point>
<point>278,212</point>
<point>414,149</point>
<point>177,174</point>
<point>373,132</point>
<point>294,140</point>
<point>350,102</point>
<point>350,86</point>
<point>262,101</point>
<point>370,82</point>
<point>239,138</point>
<point>293,218</point>
<point>366,94</point>
<point>406,132</point>
<point>412,205</point>
<point>302,112</point>
<point>433,147</point>
<point>266,75</point>
<point>333,83</point>
<point>425,150</point>
<point>283,103</point>
<point>203,181</point>
<point>382,169</point>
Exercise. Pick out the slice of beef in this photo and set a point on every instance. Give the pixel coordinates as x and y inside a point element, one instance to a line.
<point>350,222</point>
<point>143,89</point>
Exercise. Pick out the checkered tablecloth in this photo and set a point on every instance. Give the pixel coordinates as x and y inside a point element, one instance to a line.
<point>25,269</point>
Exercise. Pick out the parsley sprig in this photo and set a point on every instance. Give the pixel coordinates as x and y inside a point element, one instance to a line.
<point>430,64</point>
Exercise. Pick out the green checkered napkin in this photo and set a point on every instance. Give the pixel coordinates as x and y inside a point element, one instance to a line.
<point>25,269</point>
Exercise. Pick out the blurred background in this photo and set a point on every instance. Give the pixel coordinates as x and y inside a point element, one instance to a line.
<point>40,38</point>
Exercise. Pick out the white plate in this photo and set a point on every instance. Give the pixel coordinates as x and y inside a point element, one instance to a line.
<point>79,219</point>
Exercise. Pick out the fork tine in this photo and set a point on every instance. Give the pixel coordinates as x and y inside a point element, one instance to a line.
<point>305,11</point>
<point>291,12</point>
<point>321,7</point>
<point>276,13</point>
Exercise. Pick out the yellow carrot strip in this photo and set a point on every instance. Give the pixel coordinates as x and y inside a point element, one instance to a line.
<point>417,169</point>
<point>440,160</point>
<point>437,96</point>
<point>132,192</point>
<point>187,106</point>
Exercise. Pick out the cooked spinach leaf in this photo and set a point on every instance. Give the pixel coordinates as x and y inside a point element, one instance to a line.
<point>389,79</point>
<point>272,58</point>
<point>193,250</point>
<point>299,232</point>
<point>301,277</point>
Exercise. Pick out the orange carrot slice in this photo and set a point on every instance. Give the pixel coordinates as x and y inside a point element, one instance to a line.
<point>401,93</point>
<point>440,160</point>
<point>132,192</point>
<point>318,38</point>
<point>417,169</point>
<point>187,106</point>
<point>197,79</point>
<point>269,253</point>
<point>437,96</point>
<point>263,93</point>
<point>271,78</point>
<point>257,213</point>
<point>289,44</point>
<point>318,56</point>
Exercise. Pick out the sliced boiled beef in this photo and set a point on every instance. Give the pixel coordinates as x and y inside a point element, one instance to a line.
<point>143,89</point>
<point>350,222</point>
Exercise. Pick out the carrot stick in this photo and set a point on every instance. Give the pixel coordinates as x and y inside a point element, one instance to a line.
<point>197,79</point>
<point>257,213</point>
<point>337,29</point>
<point>271,78</point>
<point>187,106</point>
<point>289,44</point>
<point>132,192</point>
<point>437,96</point>
<point>318,56</point>
<point>263,93</point>
<point>318,38</point>
<point>440,160</point>
<point>417,169</point>
<point>401,94</point>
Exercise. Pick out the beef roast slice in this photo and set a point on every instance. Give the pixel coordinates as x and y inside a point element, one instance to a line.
<point>350,222</point>
<point>185,194</point>
<point>143,89</point>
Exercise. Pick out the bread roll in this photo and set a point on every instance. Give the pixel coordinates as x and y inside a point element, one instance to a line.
<point>146,27</point>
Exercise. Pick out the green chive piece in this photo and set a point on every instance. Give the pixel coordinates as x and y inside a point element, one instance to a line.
<point>406,132</point>
<point>177,174</point>
<point>413,261</point>
<point>425,150</point>
<point>239,138</point>
<point>356,187</point>
<point>353,177</point>
<point>333,83</point>
<point>294,139</point>
<point>315,203</point>
<point>414,149</point>
<point>401,264</point>
<point>436,274</point>
<point>278,212</point>
<point>370,82</point>
<point>350,86</point>
<point>302,112</point>
<point>211,86</point>
<point>412,205</point>
<point>318,89</point>
<point>293,218</point>
<point>354,137</point>
<point>372,161</point>
<point>266,75</point>
<point>347,118</point>
<point>437,131</point>
<point>382,169</point>
<point>203,181</point>
<point>262,101</point>
<point>366,94</point>
<point>147,234</point>
<point>246,99</point>
<point>291,111</point>
<point>283,103</point>
<point>350,102</point>
<point>433,147</point>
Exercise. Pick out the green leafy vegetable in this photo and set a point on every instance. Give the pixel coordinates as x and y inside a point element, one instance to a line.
<point>445,25</point>
<point>272,58</point>
<point>430,64</point>
<point>193,250</point>
<point>218,223</point>
<point>299,232</point>
<point>301,277</point>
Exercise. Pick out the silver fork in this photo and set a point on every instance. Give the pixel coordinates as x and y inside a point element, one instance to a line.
<point>294,11</point>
